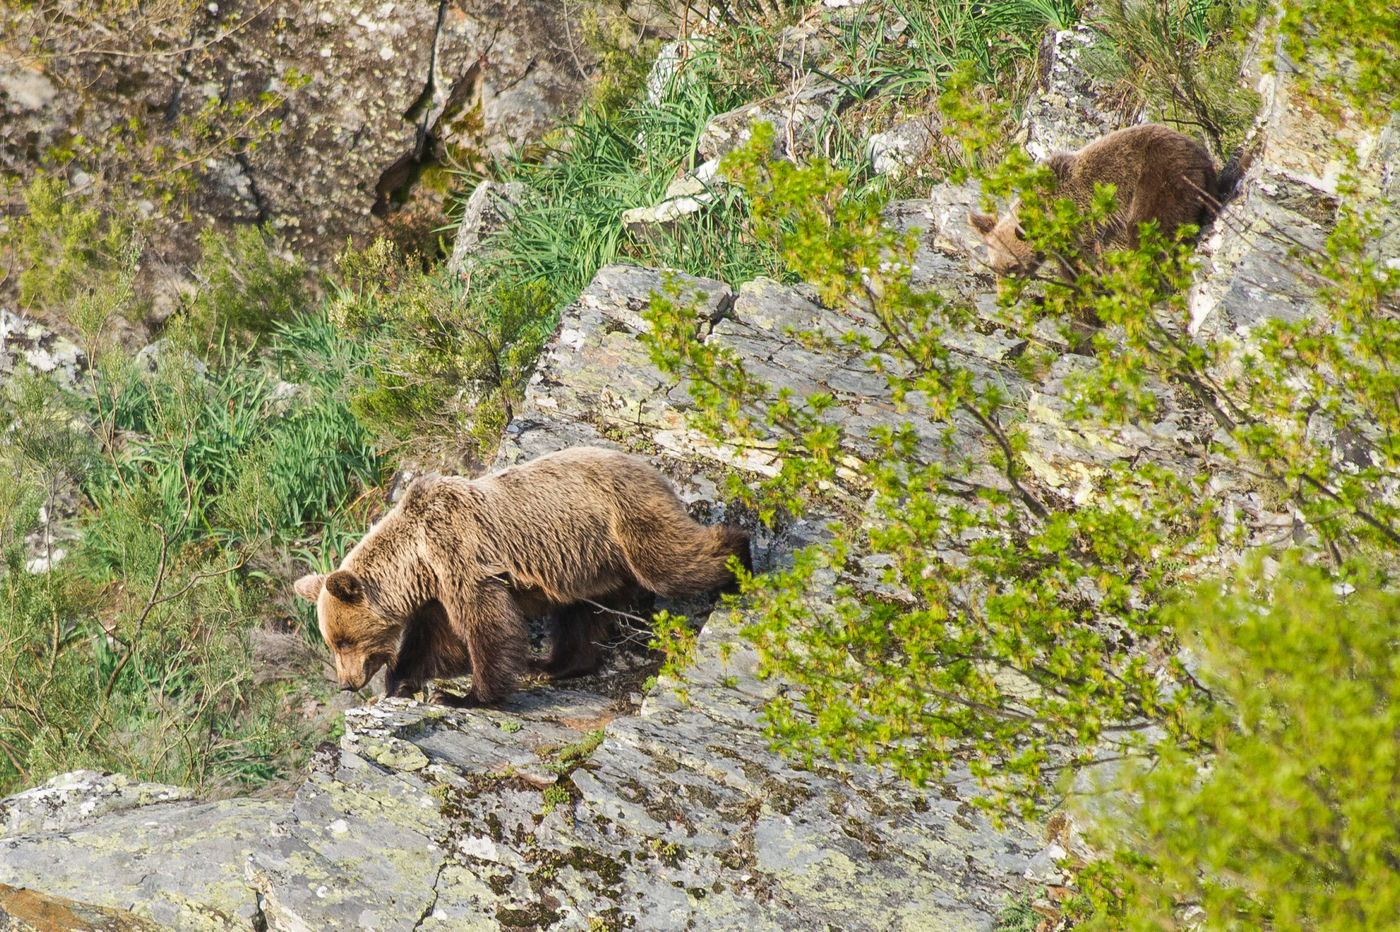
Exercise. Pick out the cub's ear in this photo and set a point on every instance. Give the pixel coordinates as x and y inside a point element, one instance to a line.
<point>345,586</point>
<point>982,223</point>
<point>309,586</point>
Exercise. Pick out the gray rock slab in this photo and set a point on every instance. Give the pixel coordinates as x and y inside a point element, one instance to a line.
<point>797,118</point>
<point>359,849</point>
<point>903,144</point>
<point>1071,107</point>
<point>595,382</point>
<point>179,863</point>
<point>488,209</point>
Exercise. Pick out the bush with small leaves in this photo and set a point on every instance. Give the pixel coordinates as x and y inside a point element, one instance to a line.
<point>1289,822</point>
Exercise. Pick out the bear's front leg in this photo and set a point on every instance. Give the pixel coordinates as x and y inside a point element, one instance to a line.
<point>487,620</point>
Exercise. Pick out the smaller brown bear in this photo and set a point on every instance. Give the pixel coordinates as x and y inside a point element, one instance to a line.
<point>448,579</point>
<point>1160,175</point>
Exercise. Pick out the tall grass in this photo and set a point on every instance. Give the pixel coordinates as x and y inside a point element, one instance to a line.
<point>196,468</point>
<point>607,162</point>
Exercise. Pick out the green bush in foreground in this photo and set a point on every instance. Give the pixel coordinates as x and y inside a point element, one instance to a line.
<point>1009,626</point>
<point>1290,822</point>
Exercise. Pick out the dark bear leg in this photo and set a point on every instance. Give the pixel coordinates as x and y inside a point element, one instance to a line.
<point>575,634</point>
<point>429,649</point>
<point>488,621</point>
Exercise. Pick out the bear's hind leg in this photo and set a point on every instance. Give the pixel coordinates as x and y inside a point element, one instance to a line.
<point>489,622</point>
<point>575,635</point>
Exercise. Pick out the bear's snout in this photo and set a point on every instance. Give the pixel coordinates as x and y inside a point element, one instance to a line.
<point>353,679</point>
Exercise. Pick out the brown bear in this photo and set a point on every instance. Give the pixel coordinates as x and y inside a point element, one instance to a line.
<point>1160,175</point>
<point>450,576</point>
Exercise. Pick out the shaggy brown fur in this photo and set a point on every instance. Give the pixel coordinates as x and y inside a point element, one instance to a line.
<point>451,574</point>
<point>1160,175</point>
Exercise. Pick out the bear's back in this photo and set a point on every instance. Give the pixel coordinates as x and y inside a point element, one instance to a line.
<point>558,518</point>
<point>1138,156</point>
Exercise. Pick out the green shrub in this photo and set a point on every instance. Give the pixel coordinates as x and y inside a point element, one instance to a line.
<point>1042,649</point>
<point>245,288</point>
<point>62,247</point>
<point>443,360</point>
<point>1347,54</point>
<point>1002,658</point>
<point>1289,823</point>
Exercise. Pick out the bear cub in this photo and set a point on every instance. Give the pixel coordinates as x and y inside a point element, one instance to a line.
<point>1160,174</point>
<point>449,578</point>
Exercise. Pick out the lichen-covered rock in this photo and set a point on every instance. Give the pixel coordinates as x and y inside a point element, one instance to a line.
<point>72,799</point>
<point>370,92</point>
<point>1286,207</point>
<point>27,345</point>
<point>1068,109</point>
<point>902,145</point>
<point>105,840</point>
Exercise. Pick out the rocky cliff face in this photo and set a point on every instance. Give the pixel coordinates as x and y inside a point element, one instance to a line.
<point>594,808</point>
<point>346,101</point>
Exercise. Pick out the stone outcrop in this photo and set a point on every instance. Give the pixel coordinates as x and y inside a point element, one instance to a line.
<point>1287,205</point>
<point>1068,110</point>
<point>100,839</point>
<point>487,210</point>
<point>27,345</point>
<point>363,97</point>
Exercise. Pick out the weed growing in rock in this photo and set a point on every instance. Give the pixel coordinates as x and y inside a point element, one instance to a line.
<point>1182,60</point>
<point>569,226</point>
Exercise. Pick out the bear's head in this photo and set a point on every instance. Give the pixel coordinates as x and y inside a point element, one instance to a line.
<point>1007,252</point>
<point>359,637</point>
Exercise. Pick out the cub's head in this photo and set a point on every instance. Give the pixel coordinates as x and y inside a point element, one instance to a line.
<point>361,640</point>
<point>1007,252</point>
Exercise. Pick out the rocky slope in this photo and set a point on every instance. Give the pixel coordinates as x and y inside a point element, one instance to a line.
<point>591,808</point>
<point>345,102</point>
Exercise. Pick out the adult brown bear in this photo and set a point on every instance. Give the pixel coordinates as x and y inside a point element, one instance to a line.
<point>449,578</point>
<point>1159,174</point>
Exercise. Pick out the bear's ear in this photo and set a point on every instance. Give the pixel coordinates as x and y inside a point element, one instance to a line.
<point>309,586</point>
<point>345,586</point>
<point>982,223</point>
